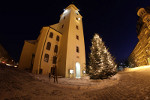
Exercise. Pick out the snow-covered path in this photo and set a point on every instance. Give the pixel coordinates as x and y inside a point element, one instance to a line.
<point>19,85</point>
<point>131,86</point>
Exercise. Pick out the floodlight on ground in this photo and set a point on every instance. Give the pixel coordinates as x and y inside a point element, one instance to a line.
<point>71,71</point>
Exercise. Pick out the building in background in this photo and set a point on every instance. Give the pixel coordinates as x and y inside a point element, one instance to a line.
<point>3,54</point>
<point>60,45</point>
<point>141,54</point>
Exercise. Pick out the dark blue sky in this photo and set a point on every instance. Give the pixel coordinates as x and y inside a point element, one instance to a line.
<point>114,20</point>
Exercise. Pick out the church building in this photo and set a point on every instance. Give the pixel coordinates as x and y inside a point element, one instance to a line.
<point>60,45</point>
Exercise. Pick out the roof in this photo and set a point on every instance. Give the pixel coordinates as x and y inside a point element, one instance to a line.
<point>31,41</point>
<point>55,27</point>
<point>72,5</point>
<point>140,23</point>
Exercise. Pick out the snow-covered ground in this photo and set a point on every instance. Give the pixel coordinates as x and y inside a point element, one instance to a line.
<point>132,84</point>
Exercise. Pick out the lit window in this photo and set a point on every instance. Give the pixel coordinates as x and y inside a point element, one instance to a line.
<point>54,59</point>
<point>77,49</point>
<point>46,57</point>
<point>48,46</point>
<point>77,18</point>
<point>66,11</point>
<point>71,71</point>
<point>77,27</point>
<point>77,12</point>
<point>77,37</point>
<point>51,35</point>
<point>57,38</point>
<point>56,49</point>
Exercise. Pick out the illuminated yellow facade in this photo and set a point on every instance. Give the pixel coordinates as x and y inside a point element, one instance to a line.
<point>60,45</point>
<point>141,54</point>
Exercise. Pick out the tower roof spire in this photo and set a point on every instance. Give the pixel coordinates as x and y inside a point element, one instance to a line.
<point>72,5</point>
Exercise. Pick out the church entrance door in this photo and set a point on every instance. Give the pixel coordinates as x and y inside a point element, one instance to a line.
<point>77,70</point>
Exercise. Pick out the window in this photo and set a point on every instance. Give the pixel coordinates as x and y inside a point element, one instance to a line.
<point>141,13</point>
<point>54,59</point>
<point>56,49</point>
<point>77,27</point>
<point>48,46</point>
<point>40,71</point>
<point>51,35</point>
<point>78,19</point>
<point>77,37</point>
<point>77,13</point>
<point>62,26</point>
<point>77,49</point>
<point>57,38</point>
<point>46,57</point>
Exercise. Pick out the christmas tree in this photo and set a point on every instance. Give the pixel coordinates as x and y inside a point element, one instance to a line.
<point>101,63</point>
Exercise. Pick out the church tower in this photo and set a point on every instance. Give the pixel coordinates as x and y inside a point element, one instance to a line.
<point>72,49</point>
<point>59,46</point>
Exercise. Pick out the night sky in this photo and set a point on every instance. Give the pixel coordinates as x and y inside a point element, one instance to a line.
<point>114,20</point>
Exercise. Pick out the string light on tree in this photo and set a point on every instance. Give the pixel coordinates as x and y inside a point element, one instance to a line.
<point>101,63</point>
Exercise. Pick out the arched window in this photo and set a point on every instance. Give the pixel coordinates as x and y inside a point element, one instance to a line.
<point>77,27</point>
<point>77,12</point>
<point>51,35</point>
<point>57,38</point>
<point>62,26</point>
<point>77,49</point>
<point>56,49</point>
<point>54,59</point>
<point>77,19</point>
<point>46,57</point>
<point>77,37</point>
<point>48,46</point>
